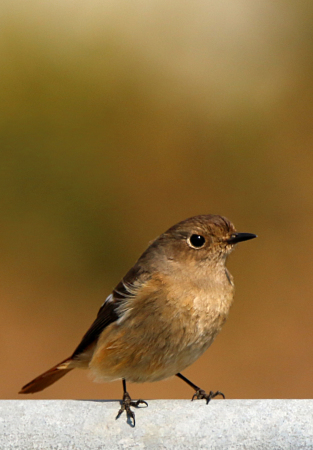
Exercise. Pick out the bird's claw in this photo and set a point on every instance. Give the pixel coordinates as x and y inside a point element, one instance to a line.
<point>201,394</point>
<point>126,404</point>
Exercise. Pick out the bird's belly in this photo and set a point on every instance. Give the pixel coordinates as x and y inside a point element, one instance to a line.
<point>154,351</point>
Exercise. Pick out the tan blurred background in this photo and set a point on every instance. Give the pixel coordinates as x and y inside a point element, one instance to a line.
<point>119,119</point>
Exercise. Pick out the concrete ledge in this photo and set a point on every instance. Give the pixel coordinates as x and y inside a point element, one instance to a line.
<point>179,424</point>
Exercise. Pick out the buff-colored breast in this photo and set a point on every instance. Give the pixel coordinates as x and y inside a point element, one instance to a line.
<point>163,329</point>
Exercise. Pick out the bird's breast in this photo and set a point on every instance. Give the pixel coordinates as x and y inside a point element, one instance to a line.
<point>162,330</point>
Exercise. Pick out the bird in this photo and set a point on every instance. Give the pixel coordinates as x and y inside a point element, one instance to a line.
<point>163,314</point>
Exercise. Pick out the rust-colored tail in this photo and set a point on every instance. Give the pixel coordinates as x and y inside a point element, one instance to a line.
<point>46,379</point>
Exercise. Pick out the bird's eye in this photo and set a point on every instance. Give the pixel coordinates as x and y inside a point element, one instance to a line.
<point>196,241</point>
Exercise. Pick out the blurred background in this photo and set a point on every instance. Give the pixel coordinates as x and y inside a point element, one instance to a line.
<point>119,119</point>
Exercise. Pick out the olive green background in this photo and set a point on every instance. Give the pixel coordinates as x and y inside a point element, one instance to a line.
<point>119,119</point>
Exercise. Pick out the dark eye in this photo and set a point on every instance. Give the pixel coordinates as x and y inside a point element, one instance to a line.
<point>196,241</point>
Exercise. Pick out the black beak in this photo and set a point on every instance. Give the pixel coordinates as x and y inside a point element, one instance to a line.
<point>240,237</point>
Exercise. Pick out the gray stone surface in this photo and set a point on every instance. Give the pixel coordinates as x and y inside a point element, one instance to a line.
<point>169,424</point>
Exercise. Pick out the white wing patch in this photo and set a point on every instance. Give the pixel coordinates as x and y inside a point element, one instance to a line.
<point>109,299</point>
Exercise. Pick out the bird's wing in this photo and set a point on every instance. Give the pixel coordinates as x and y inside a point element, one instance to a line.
<point>109,311</point>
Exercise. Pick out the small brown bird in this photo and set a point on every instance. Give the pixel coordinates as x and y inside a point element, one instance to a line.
<point>163,314</point>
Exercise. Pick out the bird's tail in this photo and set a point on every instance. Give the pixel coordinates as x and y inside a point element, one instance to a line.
<point>47,378</point>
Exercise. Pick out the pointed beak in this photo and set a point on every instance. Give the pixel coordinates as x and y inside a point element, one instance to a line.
<point>240,237</point>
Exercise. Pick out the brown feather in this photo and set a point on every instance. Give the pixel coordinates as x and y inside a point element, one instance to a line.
<point>47,378</point>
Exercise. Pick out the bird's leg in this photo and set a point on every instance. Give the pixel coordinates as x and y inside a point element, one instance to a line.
<point>127,403</point>
<point>200,393</point>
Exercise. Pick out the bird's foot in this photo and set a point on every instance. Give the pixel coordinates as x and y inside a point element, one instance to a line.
<point>201,394</point>
<point>127,402</point>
